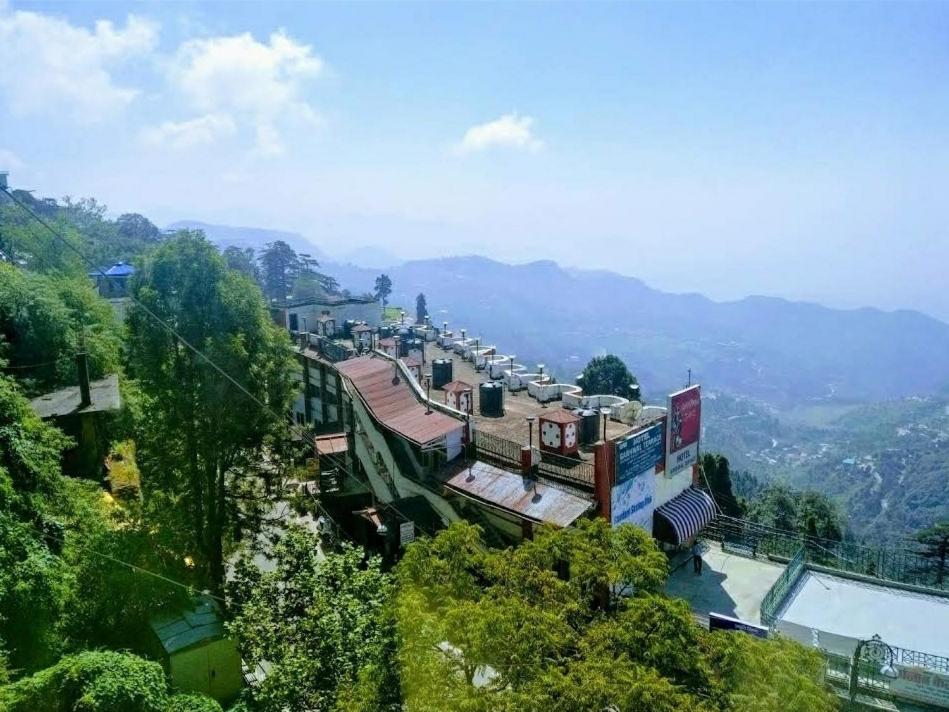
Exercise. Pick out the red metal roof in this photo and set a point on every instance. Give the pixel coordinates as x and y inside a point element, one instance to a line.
<point>331,444</point>
<point>516,494</point>
<point>457,386</point>
<point>560,415</point>
<point>362,327</point>
<point>412,360</point>
<point>387,342</point>
<point>393,402</point>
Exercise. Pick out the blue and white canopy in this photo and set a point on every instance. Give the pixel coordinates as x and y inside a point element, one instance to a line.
<point>685,515</point>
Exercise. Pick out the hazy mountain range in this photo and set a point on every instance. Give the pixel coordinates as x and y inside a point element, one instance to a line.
<point>767,348</point>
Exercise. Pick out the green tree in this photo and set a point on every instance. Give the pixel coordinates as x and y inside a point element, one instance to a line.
<point>102,681</point>
<point>321,623</point>
<point>933,546</point>
<point>529,628</point>
<point>199,432</point>
<point>383,289</point>
<point>242,260</point>
<point>421,309</point>
<point>42,318</point>
<point>802,512</point>
<point>137,228</point>
<point>606,375</point>
<point>717,472</point>
<point>280,266</point>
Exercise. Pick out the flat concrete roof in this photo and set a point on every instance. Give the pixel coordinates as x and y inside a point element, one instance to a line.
<point>103,393</point>
<point>857,610</point>
<point>729,584</point>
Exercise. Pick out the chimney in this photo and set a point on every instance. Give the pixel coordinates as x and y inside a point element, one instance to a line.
<point>82,364</point>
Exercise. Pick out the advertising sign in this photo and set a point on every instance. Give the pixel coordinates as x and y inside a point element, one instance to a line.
<point>921,685</point>
<point>683,429</point>
<point>641,451</point>
<point>632,501</point>
<point>716,621</point>
<point>406,533</point>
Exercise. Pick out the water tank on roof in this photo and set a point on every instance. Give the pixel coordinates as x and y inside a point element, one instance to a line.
<point>589,425</point>
<point>385,332</point>
<point>491,396</point>
<point>441,372</point>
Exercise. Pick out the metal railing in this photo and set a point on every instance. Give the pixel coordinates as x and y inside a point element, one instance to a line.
<point>507,453</point>
<point>779,591</point>
<point>889,564</point>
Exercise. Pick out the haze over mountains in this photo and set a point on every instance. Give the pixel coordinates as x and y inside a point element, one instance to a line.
<point>771,349</point>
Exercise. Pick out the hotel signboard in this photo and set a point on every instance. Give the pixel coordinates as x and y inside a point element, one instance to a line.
<point>683,428</point>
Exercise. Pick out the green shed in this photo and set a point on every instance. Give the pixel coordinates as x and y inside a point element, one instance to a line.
<point>195,652</point>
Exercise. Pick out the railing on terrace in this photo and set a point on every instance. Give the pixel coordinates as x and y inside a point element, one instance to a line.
<point>890,564</point>
<point>507,453</point>
<point>779,591</point>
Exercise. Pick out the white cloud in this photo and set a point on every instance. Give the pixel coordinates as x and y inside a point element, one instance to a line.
<point>187,134</point>
<point>48,65</point>
<point>259,84</point>
<point>508,131</point>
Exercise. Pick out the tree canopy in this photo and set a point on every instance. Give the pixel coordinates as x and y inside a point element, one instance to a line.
<point>383,289</point>
<point>192,445</point>
<point>606,375</point>
<point>421,309</point>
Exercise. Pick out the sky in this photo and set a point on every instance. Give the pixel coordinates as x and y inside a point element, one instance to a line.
<point>796,150</point>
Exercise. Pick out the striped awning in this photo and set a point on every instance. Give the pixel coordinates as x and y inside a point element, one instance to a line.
<point>684,515</point>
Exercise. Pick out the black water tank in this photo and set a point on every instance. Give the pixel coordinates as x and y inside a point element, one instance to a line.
<point>491,396</point>
<point>589,425</point>
<point>441,372</point>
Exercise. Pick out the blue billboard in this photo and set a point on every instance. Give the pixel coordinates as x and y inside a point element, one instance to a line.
<point>640,452</point>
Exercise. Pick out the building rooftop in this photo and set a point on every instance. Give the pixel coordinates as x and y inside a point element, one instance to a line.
<point>729,584</point>
<point>359,328</point>
<point>330,301</point>
<point>850,609</point>
<point>559,415</point>
<point>104,394</point>
<point>518,495</point>
<point>393,402</point>
<point>331,444</point>
<point>456,386</point>
<point>517,406</point>
<point>185,629</point>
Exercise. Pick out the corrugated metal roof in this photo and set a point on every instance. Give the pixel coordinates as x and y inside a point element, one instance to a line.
<point>393,402</point>
<point>362,327</point>
<point>518,495</point>
<point>331,444</point>
<point>179,631</point>
<point>412,361</point>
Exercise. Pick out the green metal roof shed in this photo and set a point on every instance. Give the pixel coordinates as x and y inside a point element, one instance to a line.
<point>196,652</point>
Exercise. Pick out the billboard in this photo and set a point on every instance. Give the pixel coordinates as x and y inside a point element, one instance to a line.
<point>683,427</point>
<point>716,621</point>
<point>632,501</point>
<point>641,451</point>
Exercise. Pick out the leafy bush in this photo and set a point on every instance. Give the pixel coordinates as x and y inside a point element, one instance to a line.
<point>192,703</point>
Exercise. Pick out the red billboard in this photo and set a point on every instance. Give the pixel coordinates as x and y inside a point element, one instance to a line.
<point>683,428</point>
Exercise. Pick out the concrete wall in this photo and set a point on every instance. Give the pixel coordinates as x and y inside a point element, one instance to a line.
<point>371,313</point>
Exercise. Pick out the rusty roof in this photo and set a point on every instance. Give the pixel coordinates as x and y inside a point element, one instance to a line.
<point>457,386</point>
<point>331,444</point>
<point>412,360</point>
<point>518,495</point>
<point>362,327</point>
<point>393,402</point>
<point>387,342</point>
<point>560,415</point>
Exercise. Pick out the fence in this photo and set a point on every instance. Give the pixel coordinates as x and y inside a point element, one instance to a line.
<point>507,453</point>
<point>779,591</point>
<point>890,564</point>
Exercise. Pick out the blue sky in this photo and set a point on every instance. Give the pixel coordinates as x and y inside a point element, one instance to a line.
<point>797,150</point>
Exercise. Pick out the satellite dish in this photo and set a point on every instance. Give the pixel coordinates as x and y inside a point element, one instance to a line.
<point>630,412</point>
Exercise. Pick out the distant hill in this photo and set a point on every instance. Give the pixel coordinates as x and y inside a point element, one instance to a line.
<point>885,464</point>
<point>779,351</point>
<point>254,237</point>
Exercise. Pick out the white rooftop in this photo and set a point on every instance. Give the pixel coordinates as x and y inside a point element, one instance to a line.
<point>852,610</point>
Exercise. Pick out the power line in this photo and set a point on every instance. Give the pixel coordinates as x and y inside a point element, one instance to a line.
<point>168,327</point>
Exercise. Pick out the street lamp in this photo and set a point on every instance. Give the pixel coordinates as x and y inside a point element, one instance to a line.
<point>510,377</point>
<point>875,652</point>
<point>540,391</point>
<point>530,430</point>
<point>402,315</point>
<point>428,393</point>
<point>606,419</point>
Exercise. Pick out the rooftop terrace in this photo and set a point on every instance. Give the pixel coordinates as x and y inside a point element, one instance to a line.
<point>518,406</point>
